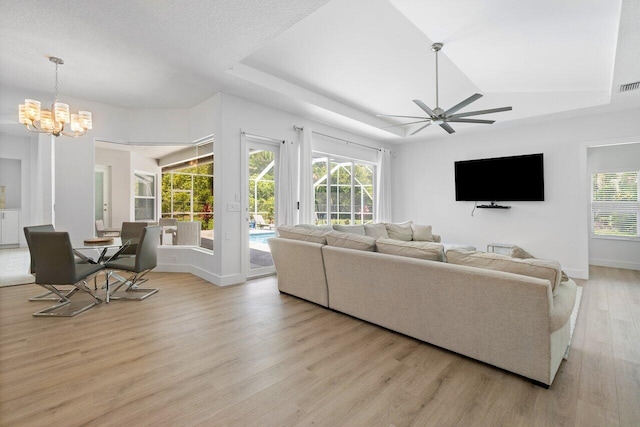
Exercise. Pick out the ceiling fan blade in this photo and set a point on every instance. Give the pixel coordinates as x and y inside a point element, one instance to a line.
<point>488,122</point>
<point>476,113</point>
<point>424,107</point>
<point>404,117</point>
<point>410,123</point>
<point>418,130</point>
<point>463,104</point>
<point>446,127</point>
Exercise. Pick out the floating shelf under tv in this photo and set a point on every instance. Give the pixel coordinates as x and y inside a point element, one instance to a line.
<point>493,206</point>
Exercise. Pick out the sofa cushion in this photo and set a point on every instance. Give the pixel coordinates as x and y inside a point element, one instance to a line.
<point>300,233</point>
<point>355,229</point>
<point>400,231</point>
<point>422,250</point>
<point>518,252</point>
<point>532,267</point>
<point>422,233</point>
<point>316,227</point>
<point>351,241</point>
<point>377,231</point>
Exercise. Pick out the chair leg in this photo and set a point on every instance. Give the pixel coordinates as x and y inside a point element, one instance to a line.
<point>66,307</point>
<point>132,291</point>
<point>48,296</point>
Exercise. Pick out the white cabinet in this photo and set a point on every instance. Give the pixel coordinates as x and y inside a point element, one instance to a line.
<point>10,227</point>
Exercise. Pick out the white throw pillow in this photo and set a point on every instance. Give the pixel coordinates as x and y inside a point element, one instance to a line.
<point>422,233</point>
<point>351,241</point>
<point>421,250</point>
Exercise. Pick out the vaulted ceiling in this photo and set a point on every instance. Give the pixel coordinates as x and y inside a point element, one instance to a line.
<point>341,62</point>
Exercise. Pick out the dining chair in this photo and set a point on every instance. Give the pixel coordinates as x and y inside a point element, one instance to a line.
<point>169,226</point>
<point>130,234</point>
<point>55,266</point>
<point>28,230</point>
<point>145,260</point>
<point>101,231</point>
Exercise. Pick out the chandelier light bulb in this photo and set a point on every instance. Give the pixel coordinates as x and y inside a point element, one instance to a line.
<point>61,112</point>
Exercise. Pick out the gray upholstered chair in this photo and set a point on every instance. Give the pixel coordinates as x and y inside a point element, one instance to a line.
<point>55,266</point>
<point>130,234</point>
<point>145,260</point>
<point>80,258</point>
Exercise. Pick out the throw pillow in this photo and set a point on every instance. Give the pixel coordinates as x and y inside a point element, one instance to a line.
<point>355,229</point>
<point>351,241</point>
<point>421,250</point>
<point>400,231</point>
<point>422,233</point>
<point>532,267</point>
<point>299,233</point>
<point>377,231</point>
<point>518,252</point>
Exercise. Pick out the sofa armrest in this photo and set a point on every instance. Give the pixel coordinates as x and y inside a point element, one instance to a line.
<point>436,238</point>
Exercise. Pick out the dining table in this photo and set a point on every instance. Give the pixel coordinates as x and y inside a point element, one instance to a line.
<point>102,245</point>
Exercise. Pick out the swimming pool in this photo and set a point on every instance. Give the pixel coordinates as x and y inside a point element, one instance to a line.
<point>261,237</point>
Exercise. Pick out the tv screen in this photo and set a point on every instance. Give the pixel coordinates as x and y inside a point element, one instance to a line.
<point>501,179</point>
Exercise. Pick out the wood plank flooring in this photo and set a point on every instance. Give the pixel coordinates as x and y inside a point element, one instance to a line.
<point>197,354</point>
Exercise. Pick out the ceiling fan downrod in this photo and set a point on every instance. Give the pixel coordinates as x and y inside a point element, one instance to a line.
<point>436,48</point>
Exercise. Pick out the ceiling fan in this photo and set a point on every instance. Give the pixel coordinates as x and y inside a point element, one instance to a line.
<point>442,117</point>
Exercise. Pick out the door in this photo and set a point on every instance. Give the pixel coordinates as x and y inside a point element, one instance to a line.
<point>262,180</point>
<point>9,227</point>
<point>102,188</point>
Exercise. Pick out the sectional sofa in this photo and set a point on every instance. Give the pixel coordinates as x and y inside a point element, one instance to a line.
<point>510,313</point>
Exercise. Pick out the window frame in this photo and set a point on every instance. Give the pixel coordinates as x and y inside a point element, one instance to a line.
<point>329,212</point>
<point>614,207</point>
<point>136,173</point>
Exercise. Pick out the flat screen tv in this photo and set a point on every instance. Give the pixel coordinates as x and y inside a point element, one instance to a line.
<point>501,179</point>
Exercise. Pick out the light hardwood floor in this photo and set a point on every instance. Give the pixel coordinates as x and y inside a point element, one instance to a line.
<point>197,354</point>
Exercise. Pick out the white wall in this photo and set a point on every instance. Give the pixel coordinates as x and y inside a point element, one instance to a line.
<point>424,190</point>
<point>610,252</point>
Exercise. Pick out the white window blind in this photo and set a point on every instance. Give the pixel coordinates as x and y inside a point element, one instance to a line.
<point>615,208</point>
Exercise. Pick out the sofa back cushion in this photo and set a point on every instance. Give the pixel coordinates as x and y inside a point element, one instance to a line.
<point>301,233</point>
<point>421,250</point>
<point>355,229</point>
<point>324,228</point>
<point>532,267</point>
<point>351,241</point>
<point>377,231</point>
<point>400,231</point>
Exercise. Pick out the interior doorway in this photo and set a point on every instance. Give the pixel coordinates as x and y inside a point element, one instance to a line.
<point>102,185</point>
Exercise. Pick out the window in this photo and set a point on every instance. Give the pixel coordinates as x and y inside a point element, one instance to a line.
<point>144,197</point>
<point>187,192</point>
<point>615,209</point>
<point>343,190</point>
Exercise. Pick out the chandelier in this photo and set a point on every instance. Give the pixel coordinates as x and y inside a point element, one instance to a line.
<point>52,121</point>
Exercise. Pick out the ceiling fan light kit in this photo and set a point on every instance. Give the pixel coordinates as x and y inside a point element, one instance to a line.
<point>442,117</point>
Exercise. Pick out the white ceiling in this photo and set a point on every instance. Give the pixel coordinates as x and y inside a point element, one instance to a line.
<point>340,62</point>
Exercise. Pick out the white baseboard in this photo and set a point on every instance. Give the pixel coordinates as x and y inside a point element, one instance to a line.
<point>201,273</point>
<point>575,273</point>
<point>614,263</point>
